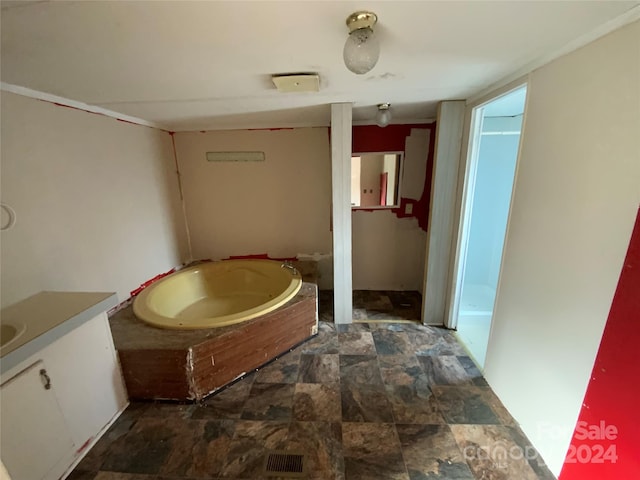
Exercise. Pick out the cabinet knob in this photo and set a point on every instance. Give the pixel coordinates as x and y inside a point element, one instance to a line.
<point>45,379</point>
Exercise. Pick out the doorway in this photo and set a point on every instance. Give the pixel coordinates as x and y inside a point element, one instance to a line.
<point>493,152</point>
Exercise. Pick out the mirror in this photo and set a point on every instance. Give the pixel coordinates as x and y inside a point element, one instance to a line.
<point>375,180</point>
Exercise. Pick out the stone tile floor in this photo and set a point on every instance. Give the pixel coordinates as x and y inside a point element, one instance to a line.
<point>362,401</point>
<point>385,305</point>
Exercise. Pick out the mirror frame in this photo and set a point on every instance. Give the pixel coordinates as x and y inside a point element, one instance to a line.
<point>400,173</point>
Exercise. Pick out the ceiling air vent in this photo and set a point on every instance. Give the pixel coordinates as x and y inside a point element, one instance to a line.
<point>297,82</point>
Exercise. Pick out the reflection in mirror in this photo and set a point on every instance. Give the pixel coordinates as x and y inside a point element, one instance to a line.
<point>375,179</point>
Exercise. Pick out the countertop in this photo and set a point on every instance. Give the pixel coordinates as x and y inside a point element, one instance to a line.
<point>46,317</point>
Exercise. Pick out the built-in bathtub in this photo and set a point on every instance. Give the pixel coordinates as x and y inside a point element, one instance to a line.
<point>188,362</point>
<point>217,294</point>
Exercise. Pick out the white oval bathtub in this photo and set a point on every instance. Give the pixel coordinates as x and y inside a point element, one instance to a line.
<point>216,294</point>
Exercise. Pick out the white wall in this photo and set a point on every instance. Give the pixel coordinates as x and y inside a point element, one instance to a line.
<point>389,252</point>
<point>576,196</point>
<point>96,199</point>
<point>280,206</point>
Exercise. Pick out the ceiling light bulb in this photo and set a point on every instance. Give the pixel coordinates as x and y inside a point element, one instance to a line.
<point>361,50</point>
<point>383,116</point>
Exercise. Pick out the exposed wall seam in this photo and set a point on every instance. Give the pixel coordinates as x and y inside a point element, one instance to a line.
<point>76,105</point>
<point>182,203</point>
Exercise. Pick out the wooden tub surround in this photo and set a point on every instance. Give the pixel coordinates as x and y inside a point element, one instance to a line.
<point>163,364</point>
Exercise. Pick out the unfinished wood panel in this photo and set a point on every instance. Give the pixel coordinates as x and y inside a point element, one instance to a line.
<point>190,364</point>
<point>158,374</point>
<point>222,360</point>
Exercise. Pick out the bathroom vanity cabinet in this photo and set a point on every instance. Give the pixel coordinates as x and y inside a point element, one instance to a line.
<point>59,389</point>
<point>32,421</point>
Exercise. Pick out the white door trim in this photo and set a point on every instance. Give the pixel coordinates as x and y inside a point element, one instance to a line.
<point>466,206</point>
<point>442,211</point>
<point>467,173</point>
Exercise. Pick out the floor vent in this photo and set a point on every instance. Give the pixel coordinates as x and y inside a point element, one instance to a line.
<point>284,464</point>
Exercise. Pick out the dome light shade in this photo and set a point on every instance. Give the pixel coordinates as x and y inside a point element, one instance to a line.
<point>361,50</point>
<point>383,116</point>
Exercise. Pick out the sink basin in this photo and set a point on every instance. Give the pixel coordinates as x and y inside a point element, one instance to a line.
<point>10,333</point>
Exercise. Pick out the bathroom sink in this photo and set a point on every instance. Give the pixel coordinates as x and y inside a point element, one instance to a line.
<point>10,333</point>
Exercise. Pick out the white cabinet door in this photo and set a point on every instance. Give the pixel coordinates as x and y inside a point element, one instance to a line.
<point>36,442</point>
<point>88,381</point>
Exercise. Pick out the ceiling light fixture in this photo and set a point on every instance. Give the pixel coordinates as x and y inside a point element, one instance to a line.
<point>383,116</point>
<point>361,50</point>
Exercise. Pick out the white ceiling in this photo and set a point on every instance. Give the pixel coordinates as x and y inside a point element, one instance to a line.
<point>204,65</point>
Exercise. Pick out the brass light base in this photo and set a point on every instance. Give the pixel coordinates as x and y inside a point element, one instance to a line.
<point>361,19</point>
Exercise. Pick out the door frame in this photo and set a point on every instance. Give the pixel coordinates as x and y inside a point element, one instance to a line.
<point>466,185</point>
<point>466,206</point>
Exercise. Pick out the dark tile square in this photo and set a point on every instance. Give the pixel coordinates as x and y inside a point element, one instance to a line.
<point>389,342</point>
<point>122,426</point>
<point>317,402</point>
<point>445,370</point>
<point>165,409</point>
<point>373,469</point>
<point>199,449</point>
<point>385,316</point>
<point>372,452</point>
<point>227,403</point>
<point>269,401</point>
<point>81,475</point>
<point>359,369</point>
<point>482,447</point>
<point>251,441</point>
<point>378,302</point>
<point>431,452</point>
<point>413,404</point>
<point>126,476</point>
<point>392,327</point>
<point>400,369</point>
<point>352,327</point>
<point>472,370</point>
<point>322,443</point>
<point>491,399</point>
<point>319,369</point>
<point>356,343</point>
<point>365,403</point>
<point>442,470</point>
<point>282,370</point>
<point>534,459</point>
<point>145,448</point>
<point>326,342</point>
<point>359,314</point>
<point>435,342</point>
<point>464,405</point>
